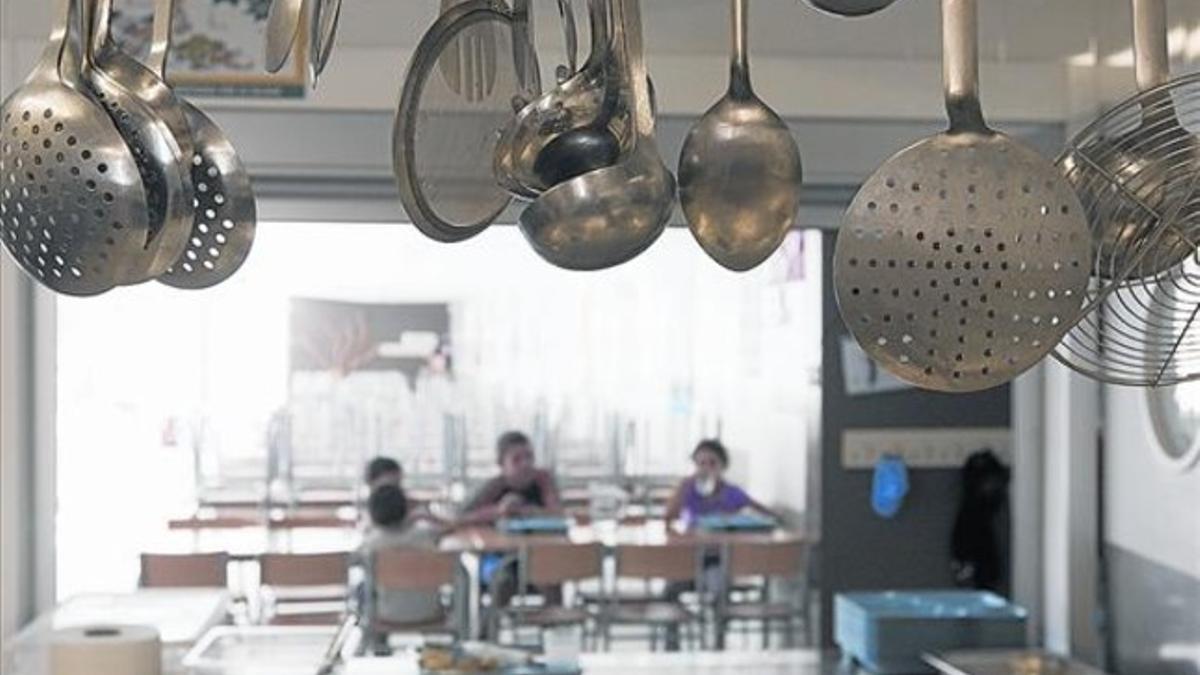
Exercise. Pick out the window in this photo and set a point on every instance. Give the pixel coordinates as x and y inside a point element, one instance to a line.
<point>165,396</point>
<point>1176,414</point>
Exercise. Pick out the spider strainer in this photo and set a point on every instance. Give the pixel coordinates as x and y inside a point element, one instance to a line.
<point>225,214</point>
<point>1135,164</point>
<point>72,206</point>
<point>444,143</point>
<point>964,258</point>
<point>1138,172</point>
<point>122,84</point>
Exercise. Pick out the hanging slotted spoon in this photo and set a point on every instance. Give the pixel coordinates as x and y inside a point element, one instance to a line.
<point>225,214</point>
<point>469,65</point>
<point>739,172</point>
<point>963,260</point>
<point>72,207</point>
<point>139,104</point>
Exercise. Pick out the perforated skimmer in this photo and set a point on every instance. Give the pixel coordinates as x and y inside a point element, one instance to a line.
<point>72,207</point>
<point>964,258</point>
<point>140,105</point>
<point>225,214</point>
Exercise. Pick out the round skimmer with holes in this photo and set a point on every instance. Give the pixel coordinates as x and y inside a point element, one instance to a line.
<point>225,215</point>
<point>962,261</point>
<point>72,205</point>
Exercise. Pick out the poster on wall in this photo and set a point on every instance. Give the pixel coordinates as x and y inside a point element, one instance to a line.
<point>862,375</point>
<point>217,49</point>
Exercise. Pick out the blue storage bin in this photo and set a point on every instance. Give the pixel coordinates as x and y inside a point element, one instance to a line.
<point>887,632</point>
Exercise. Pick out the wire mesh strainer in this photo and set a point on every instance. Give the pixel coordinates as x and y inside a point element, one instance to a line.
<point>1137,172</point>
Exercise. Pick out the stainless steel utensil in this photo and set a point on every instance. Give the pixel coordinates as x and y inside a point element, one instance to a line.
<point>326,15</point>
<point>140,105</point>
<point>740,175</point>
<point>443,143</point>
<point>225,215</point>
<point>283,27</point>
<point>850,7</point>
<point>569,130</point>
<point>1138,172</point>
<point>72,205</point>
<point>1128,176</point>
<point>469,66</point>
<point>963,260</point>
<point>606,217</point>
<point>566,15</point>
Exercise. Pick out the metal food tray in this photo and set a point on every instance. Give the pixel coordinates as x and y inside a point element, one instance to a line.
<point>260,650</point>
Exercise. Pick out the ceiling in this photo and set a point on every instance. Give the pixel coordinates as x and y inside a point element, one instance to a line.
<point>1011,30</point>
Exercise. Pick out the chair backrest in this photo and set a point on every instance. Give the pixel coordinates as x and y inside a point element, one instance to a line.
<point>413,569</point>
<point>669,562</point>
<point>312,569</point>
<point>192,570</point>
<point>551,564</point>
<point>783,559</point>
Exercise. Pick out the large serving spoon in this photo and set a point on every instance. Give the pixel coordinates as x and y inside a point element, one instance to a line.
<point>606,217</point>
<point>1136,182</point>
<point>850,7</point>
<point>739,173</point>
<point>283,27</point>
<point>963,260</point>
<point>72,206</point>
<point>225,214</point>
<point>566,131</point>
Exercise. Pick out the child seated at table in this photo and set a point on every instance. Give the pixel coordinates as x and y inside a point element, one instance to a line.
<point>706,492</point>
<point>393,525</point>
<point>521,489</point>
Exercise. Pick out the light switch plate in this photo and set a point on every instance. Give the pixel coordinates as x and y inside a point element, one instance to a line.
<point>923,448</point>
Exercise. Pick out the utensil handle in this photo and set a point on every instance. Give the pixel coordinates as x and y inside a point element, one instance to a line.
<point>1151,63</point>
<point>160,47</point>
<point>598,15</point>
<point>101,25</point>
<point>960,64</point>
<point>739,65</point>
<point>631,53</point>
<point>55,55</point>
<point>566,13</point>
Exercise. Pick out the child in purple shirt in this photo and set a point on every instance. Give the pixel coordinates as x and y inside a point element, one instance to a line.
<point>706,492</point>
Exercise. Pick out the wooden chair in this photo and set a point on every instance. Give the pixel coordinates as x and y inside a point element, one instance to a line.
<point>768,562</point>
<point>677,564</point>
<point>304,589</point>
<point>191,570</point>
<point>413,570</point>
<point>546,568</point>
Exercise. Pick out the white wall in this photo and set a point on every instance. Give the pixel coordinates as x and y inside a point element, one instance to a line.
<point>1153,508</point>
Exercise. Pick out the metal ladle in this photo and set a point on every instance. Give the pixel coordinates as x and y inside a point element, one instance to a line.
<point>740,175</point>
<point>530,157</point>
<point>1151,224</point>
<point>606,217</point>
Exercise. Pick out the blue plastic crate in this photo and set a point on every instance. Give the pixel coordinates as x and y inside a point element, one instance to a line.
<point>887,632</point>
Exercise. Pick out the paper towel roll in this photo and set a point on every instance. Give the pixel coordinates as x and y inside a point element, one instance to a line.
<point>106,650</point>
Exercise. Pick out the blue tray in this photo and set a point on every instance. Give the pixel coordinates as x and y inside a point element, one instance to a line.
<point>736,523</point>
<point>536,525</point>
<point>888,632</point>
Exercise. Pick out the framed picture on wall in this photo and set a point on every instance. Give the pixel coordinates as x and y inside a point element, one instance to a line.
<point>218,47</point>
